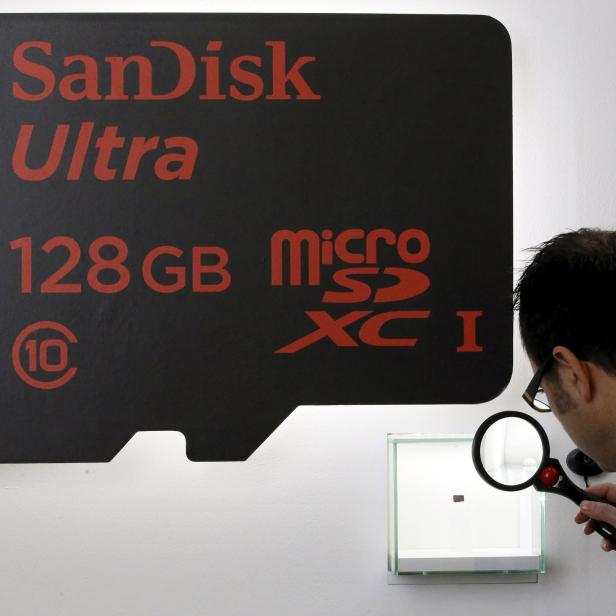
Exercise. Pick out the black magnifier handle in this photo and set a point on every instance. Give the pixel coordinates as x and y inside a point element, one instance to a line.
<point>552,478</point>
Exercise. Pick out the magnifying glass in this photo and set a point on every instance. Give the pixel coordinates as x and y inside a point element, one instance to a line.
<point>511,452</point>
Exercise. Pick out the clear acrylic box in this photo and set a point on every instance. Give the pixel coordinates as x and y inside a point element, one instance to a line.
<point>443,518</point>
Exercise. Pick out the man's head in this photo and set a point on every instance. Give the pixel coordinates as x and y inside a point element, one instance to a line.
<point>566,298</point>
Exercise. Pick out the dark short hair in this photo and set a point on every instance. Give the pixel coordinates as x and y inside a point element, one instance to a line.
<point>566,296</point>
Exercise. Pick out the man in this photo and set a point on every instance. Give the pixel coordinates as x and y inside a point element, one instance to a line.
<point>566,298</point>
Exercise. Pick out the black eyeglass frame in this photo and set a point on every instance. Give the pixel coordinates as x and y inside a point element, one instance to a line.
<point>533,387</point>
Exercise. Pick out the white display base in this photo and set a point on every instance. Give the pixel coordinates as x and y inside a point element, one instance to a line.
<point>462,578</point>
<point>479,559</point>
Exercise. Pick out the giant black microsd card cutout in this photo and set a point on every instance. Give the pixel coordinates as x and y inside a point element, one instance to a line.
<point>313,209</point>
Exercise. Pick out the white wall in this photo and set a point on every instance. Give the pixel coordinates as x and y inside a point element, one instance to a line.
<point>301,527</point>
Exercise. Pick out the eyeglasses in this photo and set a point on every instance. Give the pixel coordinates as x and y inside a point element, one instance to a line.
<point>534,395</point>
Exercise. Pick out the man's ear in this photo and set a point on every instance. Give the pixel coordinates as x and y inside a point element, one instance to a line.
<point>574,374</point>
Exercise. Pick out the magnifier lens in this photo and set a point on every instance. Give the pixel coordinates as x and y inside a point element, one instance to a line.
<point>511,451</point>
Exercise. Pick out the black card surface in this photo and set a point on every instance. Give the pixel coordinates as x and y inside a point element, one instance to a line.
<point>209,219</point>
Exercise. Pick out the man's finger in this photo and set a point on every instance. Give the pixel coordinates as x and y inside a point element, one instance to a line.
<point>606,545</point>
<point>604,490</point>
<point>580,518</point>
<point>599,511</point>
<point>588,529</point>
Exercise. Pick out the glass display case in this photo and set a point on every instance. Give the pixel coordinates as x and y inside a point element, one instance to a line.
<point>443,518</point>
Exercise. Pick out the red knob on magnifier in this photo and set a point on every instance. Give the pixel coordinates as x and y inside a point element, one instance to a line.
<point>549,476</point>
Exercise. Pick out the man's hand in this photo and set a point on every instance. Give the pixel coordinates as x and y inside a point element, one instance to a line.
<point>590,510</point>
